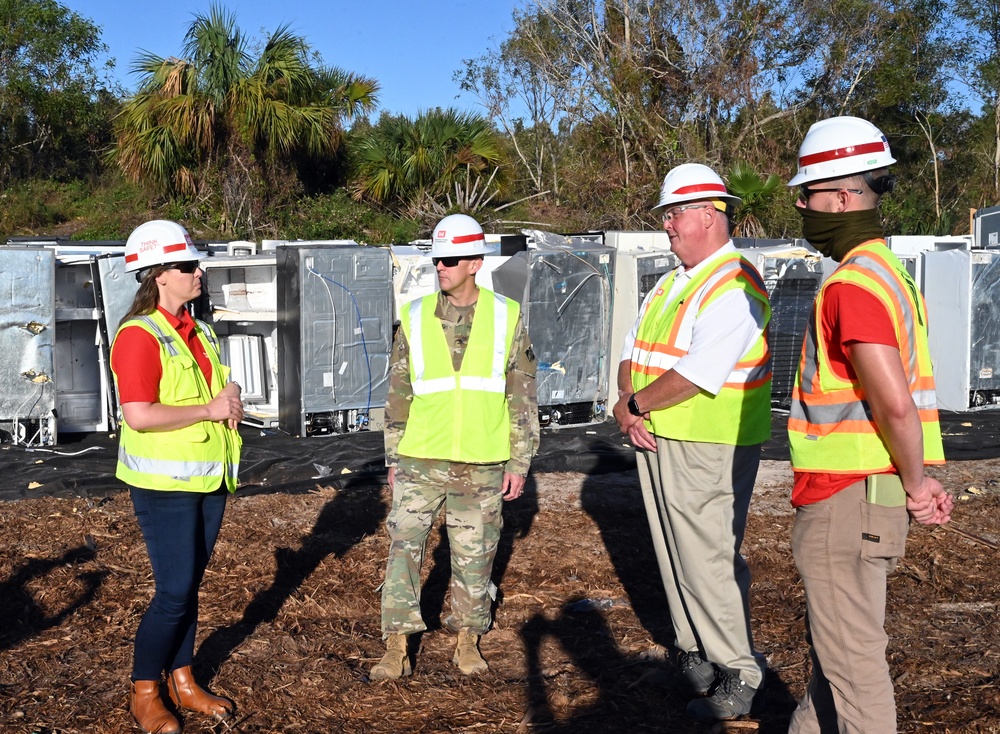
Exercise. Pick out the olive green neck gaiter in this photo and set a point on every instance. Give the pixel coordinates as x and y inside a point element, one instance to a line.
<point>834,235</point>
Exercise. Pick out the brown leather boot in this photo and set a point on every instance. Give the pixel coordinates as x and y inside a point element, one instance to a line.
<point>148,709</point>
<point>185,693</point>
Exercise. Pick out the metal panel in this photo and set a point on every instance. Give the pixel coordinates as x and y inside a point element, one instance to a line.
<point>244,353</point>
<point>80,367</point>
<point>792,276</point>
<point>947,291</point>
<point>760,243</point>
<point>636,273</point>
<point>335,315</point>
<point>81,400</point>
<point>115,292</point>
<point>984,358</point>
<point>27,336</point>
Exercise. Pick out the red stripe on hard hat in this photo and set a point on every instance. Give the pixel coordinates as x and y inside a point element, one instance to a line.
<point>463,238</point>
<point>131,258</point>
<point>851,150</point>
<point>175,248</point>
<point>698,188</point>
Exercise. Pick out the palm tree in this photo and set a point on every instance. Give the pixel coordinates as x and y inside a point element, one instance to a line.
<point>218,120</point>
<point>442,161</point>
<point>757,192</point>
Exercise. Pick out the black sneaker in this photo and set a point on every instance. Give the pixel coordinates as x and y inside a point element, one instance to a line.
<point>730,699</point>
<point>699,672</point>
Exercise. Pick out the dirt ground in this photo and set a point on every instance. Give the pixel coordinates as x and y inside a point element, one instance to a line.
<point>290,616</point>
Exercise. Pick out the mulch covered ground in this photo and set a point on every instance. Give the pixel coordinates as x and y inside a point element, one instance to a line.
<point>290,615</point>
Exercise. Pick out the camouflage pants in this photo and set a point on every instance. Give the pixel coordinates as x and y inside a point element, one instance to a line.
<point>473,505</point>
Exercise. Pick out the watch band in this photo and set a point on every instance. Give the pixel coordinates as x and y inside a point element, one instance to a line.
<point>633,407</point>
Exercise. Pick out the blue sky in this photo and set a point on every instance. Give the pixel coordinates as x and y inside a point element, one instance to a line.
<point>412,48</point>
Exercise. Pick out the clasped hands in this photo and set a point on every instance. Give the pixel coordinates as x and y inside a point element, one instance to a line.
<point>633,426</point>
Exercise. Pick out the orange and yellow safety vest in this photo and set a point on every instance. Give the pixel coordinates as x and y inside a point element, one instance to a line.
<point>830,424</point>
<point>740,414</point>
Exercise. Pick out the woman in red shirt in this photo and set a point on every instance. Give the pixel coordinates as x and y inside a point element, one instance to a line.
<point>180,516</point>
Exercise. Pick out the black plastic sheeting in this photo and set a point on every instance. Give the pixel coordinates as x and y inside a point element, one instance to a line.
<point>83,465</point>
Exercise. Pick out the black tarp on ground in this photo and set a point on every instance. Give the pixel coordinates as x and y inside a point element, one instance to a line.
<point>84,464</point>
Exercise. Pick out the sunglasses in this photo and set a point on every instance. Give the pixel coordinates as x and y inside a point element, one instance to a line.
<point>449,262</point>
<point>805,192</point>
<point>188,266</point>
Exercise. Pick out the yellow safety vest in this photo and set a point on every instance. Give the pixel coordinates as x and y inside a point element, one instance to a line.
<point>830,425</point>
<point>193,459</point>
<point>459,416</point>
<point>740,414</point>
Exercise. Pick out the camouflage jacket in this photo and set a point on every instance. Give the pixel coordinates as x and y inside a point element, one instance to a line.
<point>521,397</point>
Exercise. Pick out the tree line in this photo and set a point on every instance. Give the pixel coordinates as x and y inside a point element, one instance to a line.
<point>583,107</point>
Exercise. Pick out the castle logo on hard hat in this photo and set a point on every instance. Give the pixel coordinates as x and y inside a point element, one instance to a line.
<point>441,234</point>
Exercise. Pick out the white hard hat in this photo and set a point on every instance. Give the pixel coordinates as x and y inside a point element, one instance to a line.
<point>156,243</point>
<point>841,146</point>
<point>458,235</point>
<point>691,182</point>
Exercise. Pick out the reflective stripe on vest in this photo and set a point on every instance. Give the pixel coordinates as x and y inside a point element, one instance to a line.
<point>740,414</point>
<point>497,379</point>
<point>830,424</point>
<point>459,416</point>
<point>209,453</point>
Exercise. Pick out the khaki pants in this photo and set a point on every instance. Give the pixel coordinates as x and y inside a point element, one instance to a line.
<point>844,568</point>
<point>697,496</point>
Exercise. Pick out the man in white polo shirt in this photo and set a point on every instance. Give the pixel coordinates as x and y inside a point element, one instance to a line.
<point>694,398</point>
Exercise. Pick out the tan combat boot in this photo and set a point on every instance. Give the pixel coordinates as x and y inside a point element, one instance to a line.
<point>467,656</point>
<point>396,661</point>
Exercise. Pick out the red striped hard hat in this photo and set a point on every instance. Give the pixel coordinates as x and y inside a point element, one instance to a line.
<point>841,146</point>
<point>157,243</point>
<point>691,182</point>
<point>458,235</point>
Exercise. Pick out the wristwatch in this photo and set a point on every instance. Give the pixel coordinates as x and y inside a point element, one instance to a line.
<point>633,407</point>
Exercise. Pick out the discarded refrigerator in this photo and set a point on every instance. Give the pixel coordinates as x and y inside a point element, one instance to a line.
<point>240,299</point>
<point>27,338</point>
<point>564,286</point>
<point>335,316</point>
<point>963,317</point>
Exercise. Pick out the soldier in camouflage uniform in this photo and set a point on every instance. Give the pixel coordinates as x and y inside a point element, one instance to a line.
<point>459,434</point>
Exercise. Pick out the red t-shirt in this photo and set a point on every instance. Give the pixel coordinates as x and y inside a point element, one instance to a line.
<point>135,359</point>
<point>851,315</point>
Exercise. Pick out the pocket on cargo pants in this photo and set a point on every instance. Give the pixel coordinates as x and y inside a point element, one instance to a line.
<point>883,533</point>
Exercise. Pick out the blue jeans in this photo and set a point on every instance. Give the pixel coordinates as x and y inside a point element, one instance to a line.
<point>180,530</point>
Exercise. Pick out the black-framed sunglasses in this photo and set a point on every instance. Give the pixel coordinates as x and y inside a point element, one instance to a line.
<point>805,192</point>
<point>188,266</point>
<point>449,262</point>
